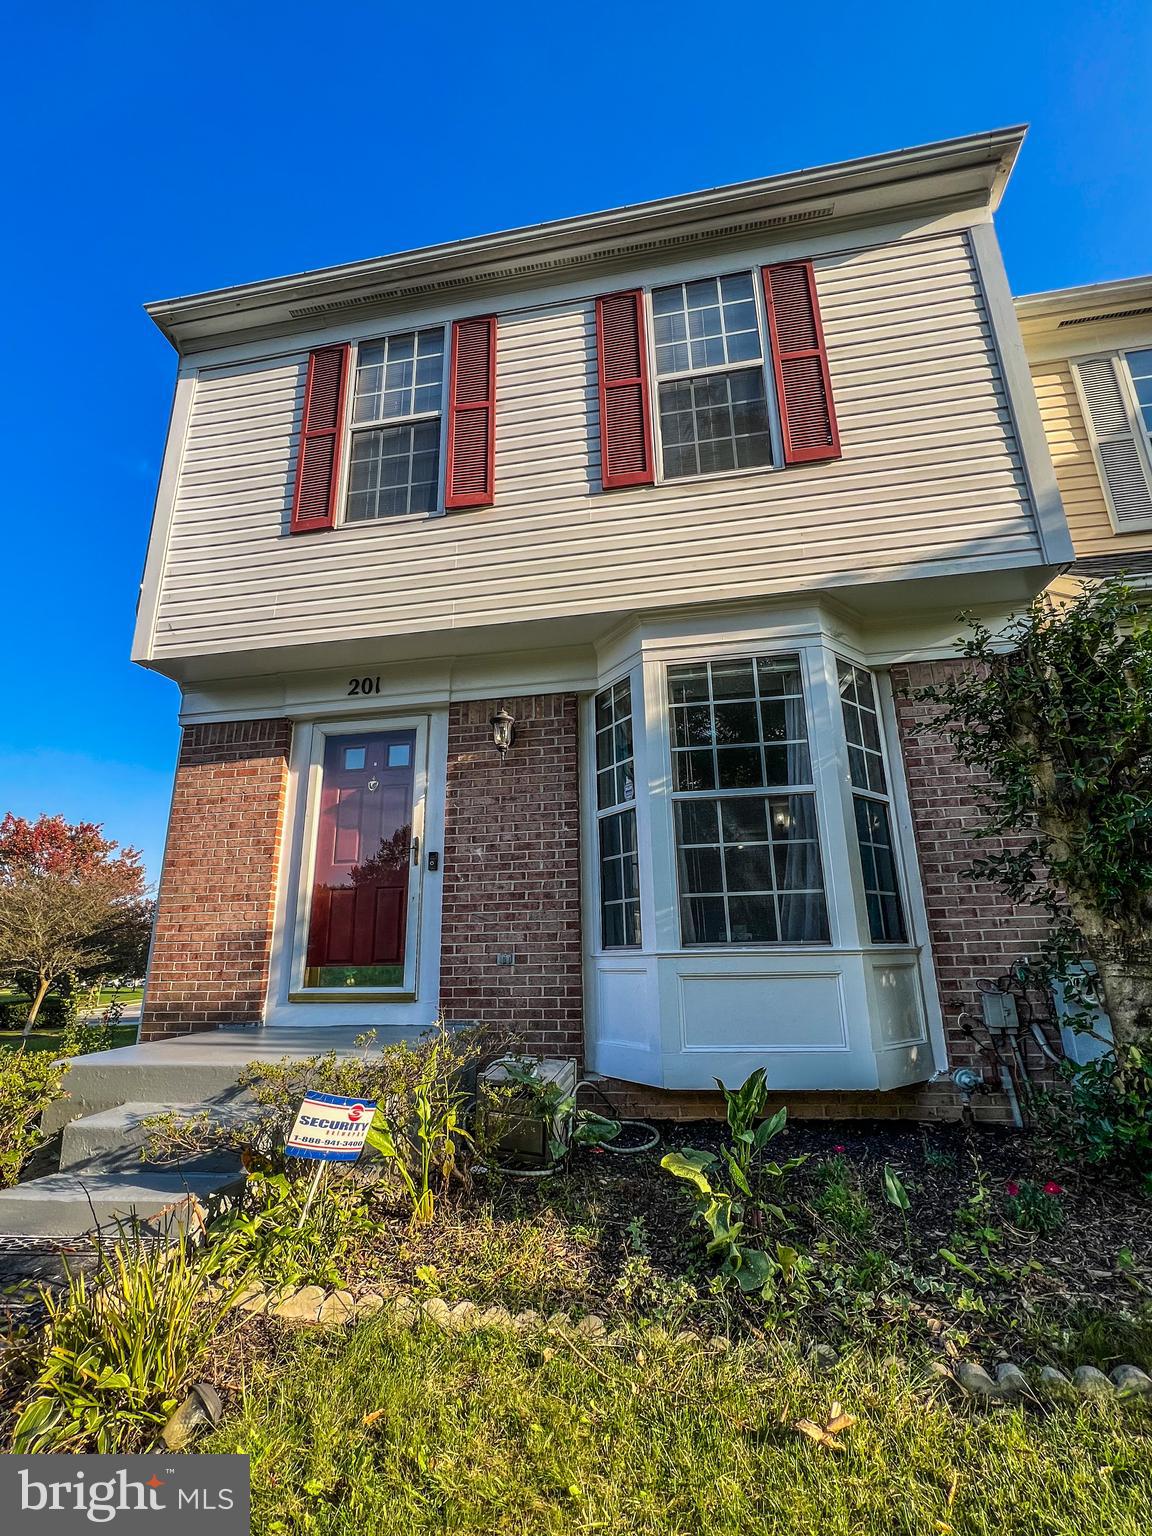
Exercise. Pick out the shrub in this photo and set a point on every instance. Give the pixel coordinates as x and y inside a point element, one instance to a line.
<point>29,1082</point>
<point>419,1089</point>
<point>118,1349</point>
<point>1102,1112</point>
<point>1033,1207</point>
<point>286,1232</point>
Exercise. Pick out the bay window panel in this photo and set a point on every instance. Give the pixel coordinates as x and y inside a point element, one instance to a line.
<point>748,865</point>
<point>878,862</point>
<point>871,810</point>
<point>619,866</point>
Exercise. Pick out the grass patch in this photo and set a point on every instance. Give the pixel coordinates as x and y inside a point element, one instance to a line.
<point>389,1429</point>
<point>49,1039</point>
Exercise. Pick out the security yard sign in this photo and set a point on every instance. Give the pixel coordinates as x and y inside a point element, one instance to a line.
<point>330,1128</point>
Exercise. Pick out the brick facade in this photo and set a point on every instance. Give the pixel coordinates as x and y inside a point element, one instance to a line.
<point>213,936</point>
<point>512,874</point>
<point>976,932</point>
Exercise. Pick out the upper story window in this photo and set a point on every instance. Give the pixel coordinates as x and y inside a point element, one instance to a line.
<point>1140,368</point>
<point>713,408</point>
<point>747,845</point>
<point>394,454</point>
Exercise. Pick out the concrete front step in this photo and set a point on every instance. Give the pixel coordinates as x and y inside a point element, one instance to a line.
<point>112,1141</point>
<point>68,1204</point>
<point>192,1069</point>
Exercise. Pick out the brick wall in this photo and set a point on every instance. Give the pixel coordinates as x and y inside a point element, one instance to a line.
<point>512,874</point>
<point>976,931</point>
<point>210,949</point>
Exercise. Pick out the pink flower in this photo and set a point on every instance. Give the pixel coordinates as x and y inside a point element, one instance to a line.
<point>1011,1189</point>
<point>1052,1188</point>
<point>840,1148</point>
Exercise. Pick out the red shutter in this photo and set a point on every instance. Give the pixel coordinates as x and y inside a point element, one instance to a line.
<point>622,366</point>
<point>800,363</point>
<point>318,462</point>
<point>472,414</point>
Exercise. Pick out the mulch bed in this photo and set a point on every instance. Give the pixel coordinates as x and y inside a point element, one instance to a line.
<point>587,1227</point>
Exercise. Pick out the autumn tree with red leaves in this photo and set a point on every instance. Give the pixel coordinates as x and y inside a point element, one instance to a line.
<point>71,900</point>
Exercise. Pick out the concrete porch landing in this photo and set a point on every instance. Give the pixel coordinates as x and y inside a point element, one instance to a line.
<point>193,1069</point>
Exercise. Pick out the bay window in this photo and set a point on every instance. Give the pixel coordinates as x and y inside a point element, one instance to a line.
<point>747,846</point>
<point>394,458</point>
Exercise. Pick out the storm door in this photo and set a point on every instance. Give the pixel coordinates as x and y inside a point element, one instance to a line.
<point>366,864</point>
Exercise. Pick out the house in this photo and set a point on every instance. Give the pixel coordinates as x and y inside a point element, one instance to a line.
<point>544,607</point>
<point>1090,350</point>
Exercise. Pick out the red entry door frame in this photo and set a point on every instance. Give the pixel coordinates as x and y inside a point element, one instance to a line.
<point>363,862</point>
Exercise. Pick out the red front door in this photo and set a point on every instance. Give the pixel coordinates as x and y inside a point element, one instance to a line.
<point>359,918</point>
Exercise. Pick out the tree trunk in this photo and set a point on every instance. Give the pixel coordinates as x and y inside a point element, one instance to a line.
<point>1125,984</point>
<point>44,982</point>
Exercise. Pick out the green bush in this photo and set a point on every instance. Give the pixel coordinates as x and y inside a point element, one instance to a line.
<point>1102,1112</point>
<point>118,1350</point>
<point>29,1082</point>
<point>285,1235</point>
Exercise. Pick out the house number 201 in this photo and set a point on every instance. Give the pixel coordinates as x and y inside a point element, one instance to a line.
<point>362,685</point>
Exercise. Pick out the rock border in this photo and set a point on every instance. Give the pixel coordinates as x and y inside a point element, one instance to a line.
<point>313,1306</point>
<point>1011,1385</point>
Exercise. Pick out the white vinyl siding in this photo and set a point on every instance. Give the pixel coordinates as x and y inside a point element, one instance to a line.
<point>931,476</point>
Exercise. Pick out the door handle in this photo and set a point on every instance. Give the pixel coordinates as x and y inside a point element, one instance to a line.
<point>416,851</point>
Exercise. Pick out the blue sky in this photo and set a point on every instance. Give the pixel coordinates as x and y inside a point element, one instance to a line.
<point>155,150</point>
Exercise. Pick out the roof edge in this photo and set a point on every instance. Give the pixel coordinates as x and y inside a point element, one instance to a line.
<point>996,149</point>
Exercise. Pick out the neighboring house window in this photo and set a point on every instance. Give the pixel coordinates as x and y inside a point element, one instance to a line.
<point>713,407</point>
<point>747,846</point>
<point>616,819</point>
<point>870,805</point>
<point>1140,367</point>
<point>394,459</point>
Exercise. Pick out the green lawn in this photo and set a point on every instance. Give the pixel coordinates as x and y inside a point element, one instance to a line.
<point>127,997</point>
<point>49,1039</point>
<point>387,1429</point>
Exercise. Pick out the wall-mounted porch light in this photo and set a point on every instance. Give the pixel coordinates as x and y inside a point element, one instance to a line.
<point>503,730</point>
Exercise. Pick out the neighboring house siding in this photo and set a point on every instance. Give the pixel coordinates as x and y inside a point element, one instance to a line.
<point>213,936</point>
<point>1076,472</point>
<point>930,476</point>
<point>512,877</point>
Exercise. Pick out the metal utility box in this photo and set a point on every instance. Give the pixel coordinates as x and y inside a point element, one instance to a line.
<point>526,1122</point>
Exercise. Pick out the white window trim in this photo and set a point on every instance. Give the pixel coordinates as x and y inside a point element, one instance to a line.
<point>350,428</point>
<point>296,930</point>
<point>765,365</point>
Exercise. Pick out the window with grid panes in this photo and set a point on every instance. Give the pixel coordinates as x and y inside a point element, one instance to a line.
<point>747,844</point>
<point>616,819</point>
<point>394,461</point>
<point>712,405</point>
<point>870,805</point>
<point>1140,369</point>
